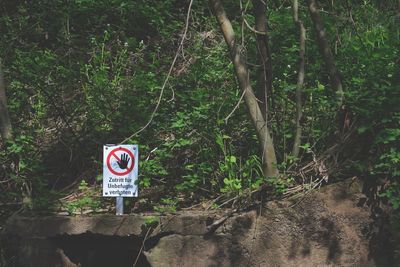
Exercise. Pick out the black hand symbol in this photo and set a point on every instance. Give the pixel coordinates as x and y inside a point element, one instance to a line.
<point>123,163</point>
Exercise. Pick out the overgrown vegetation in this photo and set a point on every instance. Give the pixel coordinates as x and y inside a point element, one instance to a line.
<point>83,73</point>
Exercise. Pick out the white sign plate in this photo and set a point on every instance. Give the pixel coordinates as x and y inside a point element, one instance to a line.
<point>120,170</point>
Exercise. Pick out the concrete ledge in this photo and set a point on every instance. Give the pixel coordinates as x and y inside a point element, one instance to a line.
<point>324,228</point>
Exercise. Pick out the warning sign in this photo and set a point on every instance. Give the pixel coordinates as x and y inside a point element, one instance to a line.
<point>120,170</point>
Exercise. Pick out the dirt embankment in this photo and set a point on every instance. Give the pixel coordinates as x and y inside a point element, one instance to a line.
<point>330,227</point>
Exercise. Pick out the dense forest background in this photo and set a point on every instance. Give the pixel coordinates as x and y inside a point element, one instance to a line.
<point>79,74</point>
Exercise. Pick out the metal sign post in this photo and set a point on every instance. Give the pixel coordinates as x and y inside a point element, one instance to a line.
<point>119,206</point>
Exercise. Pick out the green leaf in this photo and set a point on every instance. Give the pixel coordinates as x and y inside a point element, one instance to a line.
<point>232,159</point>
<point>99,178</point>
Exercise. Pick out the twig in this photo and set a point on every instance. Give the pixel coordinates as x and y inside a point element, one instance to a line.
<point>68,186</point>
<point>159,180</point>
<point>238,196</point>
<point>243,11</point>
<point>307,192</point>
<point>168,75</point>
<point>213,201</point>
<point>236,106</point>
<point>193,206</point>
<point>252,29</point>
<point>228,201</point>
<point>212,227</point>
<point>293,190</point>
<point>141,248</point>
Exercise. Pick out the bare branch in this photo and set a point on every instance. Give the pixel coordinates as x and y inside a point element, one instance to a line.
<point>234,109</point>
<point>252,29</point>
<point>168,75</point>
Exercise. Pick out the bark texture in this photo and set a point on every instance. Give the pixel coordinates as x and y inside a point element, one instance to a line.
<point>242,74</point>
<point>264,83</point>
<point>300,78</point>
<point>5,123</point>
<point>326,52</point>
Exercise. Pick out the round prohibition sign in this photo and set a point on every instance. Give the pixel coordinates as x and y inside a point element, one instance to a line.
<point>113,154</point>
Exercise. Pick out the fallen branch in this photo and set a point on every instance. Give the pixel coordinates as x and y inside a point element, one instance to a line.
<point>141,248</point>
<point>214,226</point>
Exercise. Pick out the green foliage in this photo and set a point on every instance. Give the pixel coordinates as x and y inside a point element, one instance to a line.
<point>86,200</point>
<point>167,205</point>
<point>231,185</point>
<point>152,168</point>
<point>76,81</point>
<point>237,173</point>
<point>151,221</point>
<point>24,169</point>
<point>280,184</point>
<point>392,194</point>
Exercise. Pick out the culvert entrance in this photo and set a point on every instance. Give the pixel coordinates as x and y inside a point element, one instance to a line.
<point>95,250</point>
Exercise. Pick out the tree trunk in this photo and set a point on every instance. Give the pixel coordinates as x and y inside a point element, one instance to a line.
<point>242,74</point>
<point>325,50</point>
<point>264,83</point>
<point>5,123</point>
<point>300,78</point>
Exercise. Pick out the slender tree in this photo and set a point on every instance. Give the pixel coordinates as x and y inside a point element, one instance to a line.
<point>242,74</point>
<point>5,123</point>
<point>335,79</point>
<point>300,78</point>
<point>264,83</point>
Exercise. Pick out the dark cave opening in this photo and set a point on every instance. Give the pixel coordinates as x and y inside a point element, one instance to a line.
<point>95,250</point>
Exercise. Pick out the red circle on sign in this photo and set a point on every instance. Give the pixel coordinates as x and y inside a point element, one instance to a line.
<point>112,153</point>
